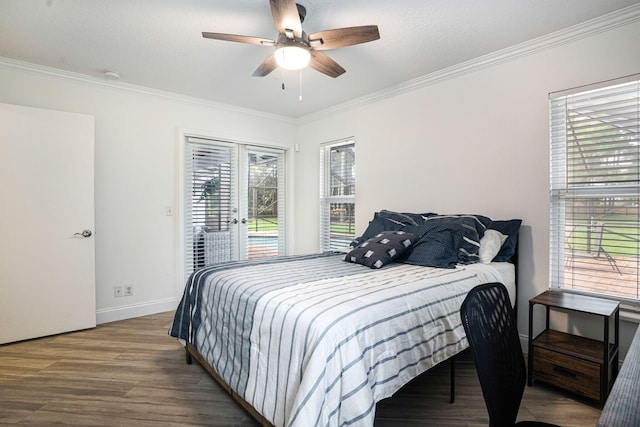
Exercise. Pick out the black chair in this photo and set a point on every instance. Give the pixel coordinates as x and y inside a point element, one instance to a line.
<point>490,324</point>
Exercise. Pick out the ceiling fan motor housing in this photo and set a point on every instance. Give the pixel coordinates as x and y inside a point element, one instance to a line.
<point>292,54</point>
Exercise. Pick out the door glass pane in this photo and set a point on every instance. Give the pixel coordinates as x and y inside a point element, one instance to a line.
<point>265,199</point>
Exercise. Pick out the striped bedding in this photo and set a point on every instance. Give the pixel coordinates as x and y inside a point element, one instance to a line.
<point>316,341</point>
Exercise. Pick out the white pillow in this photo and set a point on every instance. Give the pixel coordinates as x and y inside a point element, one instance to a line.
<point>490,245</point>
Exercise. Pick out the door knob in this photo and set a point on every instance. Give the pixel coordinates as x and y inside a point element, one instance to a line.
<point>85,233</point>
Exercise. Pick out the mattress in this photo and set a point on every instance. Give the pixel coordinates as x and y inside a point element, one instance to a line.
<point>315,341</point>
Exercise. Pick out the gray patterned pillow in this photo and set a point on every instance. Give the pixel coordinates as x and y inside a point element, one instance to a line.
<point>381,249</point>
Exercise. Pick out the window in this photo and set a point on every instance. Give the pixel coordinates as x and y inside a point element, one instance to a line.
<point>595,189</point>
<point>337,194</point>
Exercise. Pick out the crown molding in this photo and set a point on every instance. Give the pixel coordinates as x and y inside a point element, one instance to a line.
<point>56,73</point>
<point>588,28</point>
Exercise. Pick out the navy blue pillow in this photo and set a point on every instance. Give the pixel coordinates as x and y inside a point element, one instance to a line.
<point>381,249</point>
<point>472,228</point>
<point>388,221</point>
<point>376,226</point>
<point>437,245</point>
<point>481,222</point>
<point>509,228</point>
<point>404,218</point>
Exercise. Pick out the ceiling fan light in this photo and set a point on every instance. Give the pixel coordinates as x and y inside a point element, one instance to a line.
<point>292,57</point>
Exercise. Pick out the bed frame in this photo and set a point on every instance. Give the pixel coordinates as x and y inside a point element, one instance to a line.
<point>192,353</point>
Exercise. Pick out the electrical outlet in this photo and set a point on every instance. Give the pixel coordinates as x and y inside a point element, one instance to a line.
<point>117,291</point>
<point>128,290</point>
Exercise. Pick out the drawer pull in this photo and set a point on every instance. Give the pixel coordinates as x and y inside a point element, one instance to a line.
<point>565,371</point>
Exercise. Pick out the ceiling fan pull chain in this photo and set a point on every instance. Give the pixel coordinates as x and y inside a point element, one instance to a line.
<point>300,96</point>
<point>283,87</point>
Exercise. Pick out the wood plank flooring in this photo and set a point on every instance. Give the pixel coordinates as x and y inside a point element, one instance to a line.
<point>131,373</point>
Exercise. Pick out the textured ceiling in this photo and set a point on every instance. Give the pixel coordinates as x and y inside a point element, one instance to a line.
<point>158,43</point>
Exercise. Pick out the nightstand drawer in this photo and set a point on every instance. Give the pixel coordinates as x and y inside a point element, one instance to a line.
<point>578,376</point>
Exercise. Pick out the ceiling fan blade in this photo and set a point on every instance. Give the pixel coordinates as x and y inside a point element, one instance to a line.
<point>321,62</point>
<point>285,16</point>
<point>341,37</point>
<point>238,39</point>
<point>267,66</point>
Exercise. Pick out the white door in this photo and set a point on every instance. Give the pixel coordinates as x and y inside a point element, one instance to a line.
<point>233,202</point>
<point>47,265</point>
<point>210,217</point>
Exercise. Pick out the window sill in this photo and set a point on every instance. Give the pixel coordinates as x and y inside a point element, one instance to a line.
<point>629,314</point>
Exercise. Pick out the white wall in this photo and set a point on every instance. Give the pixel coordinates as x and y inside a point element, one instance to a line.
<point>135,176</point>
<point>473,143</point>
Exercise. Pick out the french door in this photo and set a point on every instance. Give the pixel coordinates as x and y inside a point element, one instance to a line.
<point>233,202</point>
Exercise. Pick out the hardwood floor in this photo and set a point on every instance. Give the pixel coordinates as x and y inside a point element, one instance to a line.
<point>131,373</point>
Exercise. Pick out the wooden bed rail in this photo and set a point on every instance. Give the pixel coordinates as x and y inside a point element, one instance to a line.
<point>192,353</point>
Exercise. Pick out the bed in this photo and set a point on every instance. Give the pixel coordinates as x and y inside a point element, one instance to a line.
<point>317,340</point>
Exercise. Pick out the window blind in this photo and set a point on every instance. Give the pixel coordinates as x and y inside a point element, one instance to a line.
<point>337,195</point>
<point>595,189</point>
<point>209,200</point>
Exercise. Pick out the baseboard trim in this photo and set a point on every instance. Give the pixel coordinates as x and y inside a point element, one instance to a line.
<point>114,314</point>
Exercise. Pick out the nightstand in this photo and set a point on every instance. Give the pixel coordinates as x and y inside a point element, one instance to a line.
<point>580,365</point>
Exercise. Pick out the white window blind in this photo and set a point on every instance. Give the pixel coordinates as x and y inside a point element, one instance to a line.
<point>337,194</point>
<point>265,202</point>
<point>595,189</point>
<point>209,199</point>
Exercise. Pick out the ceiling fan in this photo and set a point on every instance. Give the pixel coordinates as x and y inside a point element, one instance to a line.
<point>296,49</point>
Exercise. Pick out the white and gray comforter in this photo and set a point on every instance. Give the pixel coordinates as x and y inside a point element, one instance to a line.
<point>316,341</point>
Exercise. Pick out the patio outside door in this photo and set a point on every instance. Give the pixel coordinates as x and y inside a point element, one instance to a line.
<point>233,202</point>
